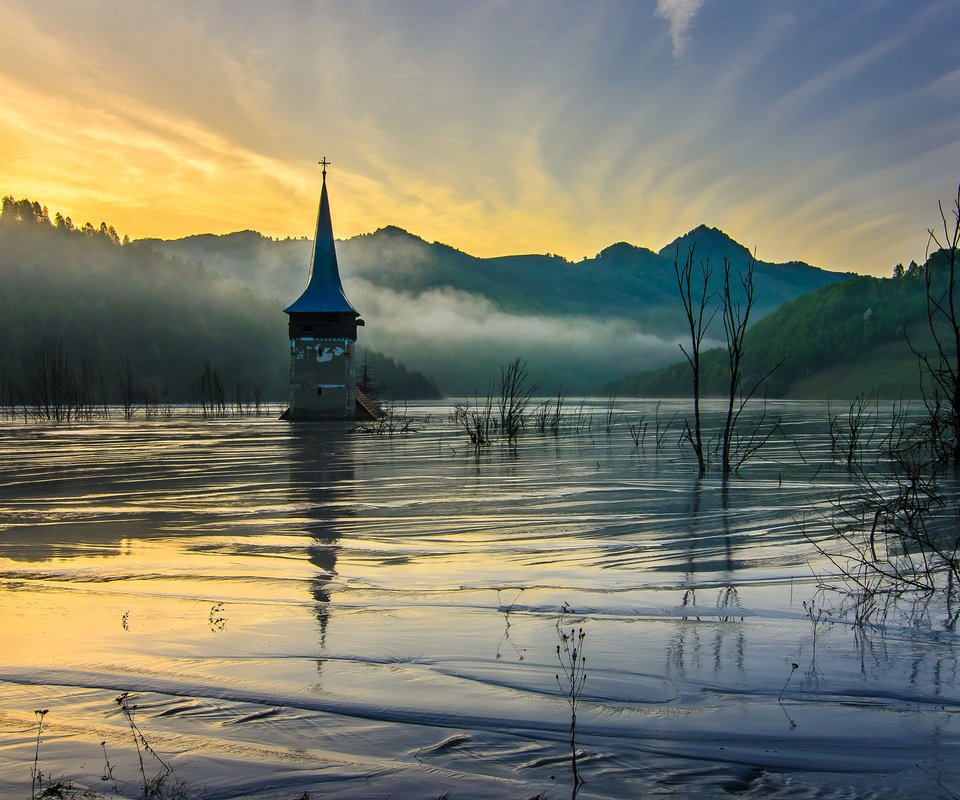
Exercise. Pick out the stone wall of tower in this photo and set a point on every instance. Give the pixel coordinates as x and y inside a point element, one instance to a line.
<point>322,380</point>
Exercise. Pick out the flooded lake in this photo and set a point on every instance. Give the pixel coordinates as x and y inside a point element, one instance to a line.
<point>302,611</point>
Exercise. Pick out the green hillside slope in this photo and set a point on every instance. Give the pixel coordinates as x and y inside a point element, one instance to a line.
<point>841,340</point>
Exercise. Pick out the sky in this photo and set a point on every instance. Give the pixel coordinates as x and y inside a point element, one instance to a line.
<point>816,130</point>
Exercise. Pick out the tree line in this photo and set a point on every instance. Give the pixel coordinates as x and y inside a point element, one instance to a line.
<point>838,323</point>
<point>124,316</point>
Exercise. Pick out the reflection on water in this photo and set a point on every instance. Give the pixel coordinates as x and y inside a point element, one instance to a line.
<point>215,566</point>
<point>321,479</point>
<point>727,641</point>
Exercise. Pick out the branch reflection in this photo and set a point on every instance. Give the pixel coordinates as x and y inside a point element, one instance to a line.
<point>321,480</point>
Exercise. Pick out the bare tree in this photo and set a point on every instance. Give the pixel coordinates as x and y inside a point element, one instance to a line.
<point>851,435</point>
<point>736,315</point>
<point>477,421</point>
<point>555,419</point>
<point>736,448</point>
<point>897,535</point>
<point>89,396</point>
<point>52,382</point>
<point>696,300</point>
<point>129,390</point>
<point>942,368</point>
<point>238,399</point>
<point>212,398</point>
<point>8,396</point>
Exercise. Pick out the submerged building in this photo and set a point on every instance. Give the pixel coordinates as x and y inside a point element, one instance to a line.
<point>323,335</point>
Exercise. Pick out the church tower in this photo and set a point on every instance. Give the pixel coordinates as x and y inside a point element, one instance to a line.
<point>323,334</point>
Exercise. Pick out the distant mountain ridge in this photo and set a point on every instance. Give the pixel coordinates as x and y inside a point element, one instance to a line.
<point>392,257</point>
<point>457,317</point>
<point>577,323</point>
<point>436,310</point>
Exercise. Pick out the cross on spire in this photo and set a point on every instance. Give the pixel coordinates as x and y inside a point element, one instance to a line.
<point>324,163</point>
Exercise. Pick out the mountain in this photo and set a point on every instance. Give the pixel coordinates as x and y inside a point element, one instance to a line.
<point>780,282</point>
<point>459,317</point>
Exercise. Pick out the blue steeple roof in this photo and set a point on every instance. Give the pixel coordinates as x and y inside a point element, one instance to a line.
<point>324,292</point>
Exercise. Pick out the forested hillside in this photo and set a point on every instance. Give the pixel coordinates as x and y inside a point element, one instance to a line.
<point>844,339</point>
<point>113,303</point>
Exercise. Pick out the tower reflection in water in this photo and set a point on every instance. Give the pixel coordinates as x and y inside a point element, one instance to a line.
<point>321,487</point>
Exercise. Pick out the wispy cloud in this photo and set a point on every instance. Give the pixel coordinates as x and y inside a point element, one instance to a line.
<point>153,161</point>
<point>679,14</point>
<point>558,132</point>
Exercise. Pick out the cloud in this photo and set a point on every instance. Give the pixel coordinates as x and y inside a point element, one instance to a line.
<point>680,14</point>
<point>557,132</point>
<point>462,339</point>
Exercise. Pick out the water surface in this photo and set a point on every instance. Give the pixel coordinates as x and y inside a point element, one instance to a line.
<point>299,608</point>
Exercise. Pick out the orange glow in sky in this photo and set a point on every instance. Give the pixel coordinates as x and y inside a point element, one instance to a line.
<point>496,129</point>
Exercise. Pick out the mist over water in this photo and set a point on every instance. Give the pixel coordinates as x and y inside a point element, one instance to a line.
<point>462,338</point>
<point>306,609</point>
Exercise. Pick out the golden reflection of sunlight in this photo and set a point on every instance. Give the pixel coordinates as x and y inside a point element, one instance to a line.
<point>87,608</point>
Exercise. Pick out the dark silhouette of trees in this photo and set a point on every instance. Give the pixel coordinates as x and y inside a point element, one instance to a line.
<point>117,304</point>
<point>129,390</point>
<point>367,379</point>
<point>59,390</point>
<point>18,211</point>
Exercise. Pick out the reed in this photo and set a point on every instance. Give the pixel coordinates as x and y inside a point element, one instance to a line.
<point>570,680</point>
